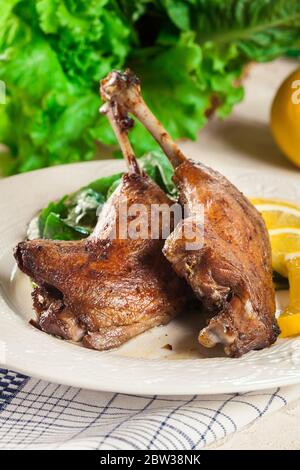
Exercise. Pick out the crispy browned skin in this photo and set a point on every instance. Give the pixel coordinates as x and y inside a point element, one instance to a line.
<point>101,290</point>
<point>231,273</point>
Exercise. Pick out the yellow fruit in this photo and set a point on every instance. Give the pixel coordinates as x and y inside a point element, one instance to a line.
<point>283,222</point>
<point>277,213</point>
<point>289,320</point>
<point>293,267</point>
<point>263,200</point>
<point>284,241</point>
<point>289,324</point>
<point>285,117</point>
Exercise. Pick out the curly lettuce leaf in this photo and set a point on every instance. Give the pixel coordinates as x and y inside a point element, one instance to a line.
<point>188,55</point>
<point>260,29</point>
<point>52,54</point>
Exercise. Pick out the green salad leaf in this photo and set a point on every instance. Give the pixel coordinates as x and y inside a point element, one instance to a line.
<point>58,229</point>
<point>58,208</point>
<point>159,168</point>
<point>74,216</point>
<point>189,55</point>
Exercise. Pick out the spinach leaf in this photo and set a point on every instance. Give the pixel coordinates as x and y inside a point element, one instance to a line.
<point>102,185</point>
<point>82,208</point>
<point>58,208</point>
<point>57,229</point>
<point>159,168</point>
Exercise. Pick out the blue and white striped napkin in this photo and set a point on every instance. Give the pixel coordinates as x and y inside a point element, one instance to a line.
<point>39,415</point>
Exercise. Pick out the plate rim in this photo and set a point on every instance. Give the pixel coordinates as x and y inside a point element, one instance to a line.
<point>146,387</point>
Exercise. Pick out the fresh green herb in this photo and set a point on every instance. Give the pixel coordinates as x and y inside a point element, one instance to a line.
<point>159,168</point>
<point>187,53</point>
<point>82,208</point>
<point>103,185</point>
<point>58,229</point>
<point>72,217</point>
<point>58,208</point>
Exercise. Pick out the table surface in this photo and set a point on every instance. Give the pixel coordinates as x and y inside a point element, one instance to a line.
<point>245,139</point>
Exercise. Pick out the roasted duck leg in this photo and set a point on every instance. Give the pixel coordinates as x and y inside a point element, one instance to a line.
<point>231,272</point>
<point>107,288</point>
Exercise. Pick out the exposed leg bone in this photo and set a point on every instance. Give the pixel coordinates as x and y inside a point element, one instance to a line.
<point>124,88</point>
<point>121,123</point>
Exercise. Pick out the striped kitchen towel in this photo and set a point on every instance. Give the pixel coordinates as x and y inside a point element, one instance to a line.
<point>39,415</point>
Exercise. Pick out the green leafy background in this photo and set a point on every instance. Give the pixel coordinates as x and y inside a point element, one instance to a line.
<point>187,53</point>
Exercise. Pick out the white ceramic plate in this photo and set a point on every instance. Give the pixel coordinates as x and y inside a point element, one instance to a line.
<point>143,365</point>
